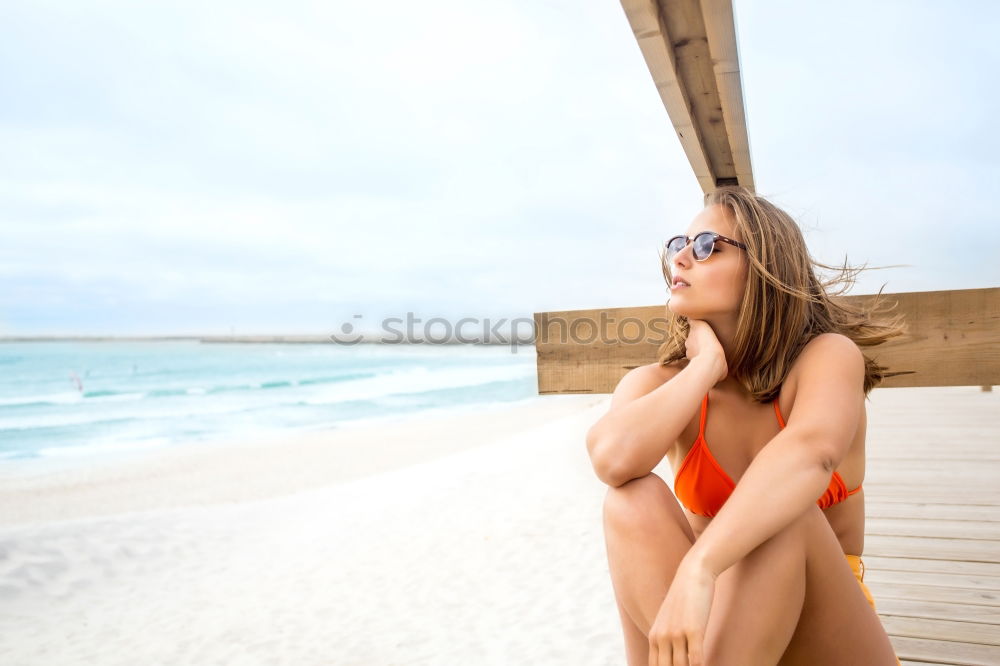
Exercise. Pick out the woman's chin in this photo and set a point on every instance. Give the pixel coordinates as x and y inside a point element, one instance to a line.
<point>677,308</point>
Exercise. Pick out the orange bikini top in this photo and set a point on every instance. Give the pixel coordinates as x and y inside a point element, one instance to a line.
<point>703,486</point>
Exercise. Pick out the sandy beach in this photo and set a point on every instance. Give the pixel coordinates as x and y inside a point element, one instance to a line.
<point>417,549</point>
<point>448,538</point>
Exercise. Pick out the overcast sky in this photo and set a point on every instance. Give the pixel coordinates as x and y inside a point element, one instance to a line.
<point>207,167</point>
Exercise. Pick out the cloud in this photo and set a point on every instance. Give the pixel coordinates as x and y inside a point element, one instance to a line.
<point>181,166</point>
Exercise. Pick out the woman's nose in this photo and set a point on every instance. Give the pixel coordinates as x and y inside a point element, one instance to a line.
<point>683,258</point>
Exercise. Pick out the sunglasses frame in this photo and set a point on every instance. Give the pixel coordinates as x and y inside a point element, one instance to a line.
<point>688,241</point>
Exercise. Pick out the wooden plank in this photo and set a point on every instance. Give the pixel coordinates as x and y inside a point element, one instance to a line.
<point>973,494</point>
<point>948,595</point>
<point>925,447</point>
<point>946,472</point>
<point>950,476</point>
<point>889,504</point>
<point>946,652</point>
<point>692,56</point>
<point>933,528</point>
<point>932,455</point>
<point>938,610</point>
<point>935,549</point>
<point>953,580</point>
<point>589,351</point>
<point>942,630</point>
<point>897,562</point>
<point>957,494</point>
<point>720,28</point>
<point>903,509</point>
<point>952,491</point>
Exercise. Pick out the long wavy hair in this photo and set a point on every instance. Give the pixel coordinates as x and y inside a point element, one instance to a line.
<point>784,304</point>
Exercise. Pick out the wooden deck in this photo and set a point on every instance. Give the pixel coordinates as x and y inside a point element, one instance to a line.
<point>932,544</point>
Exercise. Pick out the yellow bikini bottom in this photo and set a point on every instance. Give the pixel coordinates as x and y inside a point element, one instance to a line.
<point>858,567</point>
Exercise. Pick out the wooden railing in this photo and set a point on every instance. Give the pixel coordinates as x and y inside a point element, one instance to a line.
<point>953,340</point>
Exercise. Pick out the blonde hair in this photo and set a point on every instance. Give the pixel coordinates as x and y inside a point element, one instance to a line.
<point>784,304</point>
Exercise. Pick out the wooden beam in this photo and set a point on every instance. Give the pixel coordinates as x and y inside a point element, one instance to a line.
<point>953,340</point>
<point>691,52</point>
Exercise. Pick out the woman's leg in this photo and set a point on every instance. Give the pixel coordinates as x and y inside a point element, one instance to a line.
<point>838,624</point>
<point>757,601</point>
<point>647,535</point>
<point>785,595</point>
<point>636,643</point>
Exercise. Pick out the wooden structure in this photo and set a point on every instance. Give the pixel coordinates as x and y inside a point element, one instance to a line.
<point>692,55</point>
<point>953,340</point>
<point>933,529</point>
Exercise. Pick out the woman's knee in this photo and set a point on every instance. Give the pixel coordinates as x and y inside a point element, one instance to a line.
<point>631,498</point>
<point>641,502</point>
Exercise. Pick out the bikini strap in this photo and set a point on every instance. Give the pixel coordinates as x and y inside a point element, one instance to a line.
<point>840,481</point>
<point>778,412</point>
<point>704,407</point>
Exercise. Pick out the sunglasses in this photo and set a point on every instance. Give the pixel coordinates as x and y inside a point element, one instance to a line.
<point>704,244</point>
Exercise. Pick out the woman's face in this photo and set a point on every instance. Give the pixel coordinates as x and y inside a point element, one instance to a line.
<point>717,283</point>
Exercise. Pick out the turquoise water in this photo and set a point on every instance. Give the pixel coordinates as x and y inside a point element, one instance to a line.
<point>84,401</point>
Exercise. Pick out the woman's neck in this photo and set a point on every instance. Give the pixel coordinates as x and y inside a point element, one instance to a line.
<point>725,332</point>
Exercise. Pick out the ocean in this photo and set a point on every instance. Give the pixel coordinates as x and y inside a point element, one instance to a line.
<point>79,403</point>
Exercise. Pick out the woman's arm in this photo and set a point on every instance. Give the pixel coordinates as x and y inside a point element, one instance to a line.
<point>642,424</point>
<point>793,470</point>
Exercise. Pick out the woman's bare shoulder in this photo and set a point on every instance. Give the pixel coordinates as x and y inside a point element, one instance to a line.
<point>826,345</point>
<point>825,348</point>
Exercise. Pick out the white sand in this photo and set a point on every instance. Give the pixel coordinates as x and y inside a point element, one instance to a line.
<point>491,555</point>
<point>386,544</point>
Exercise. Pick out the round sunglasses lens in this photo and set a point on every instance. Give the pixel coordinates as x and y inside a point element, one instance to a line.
<point>703,245</point>
<point>675,245</point>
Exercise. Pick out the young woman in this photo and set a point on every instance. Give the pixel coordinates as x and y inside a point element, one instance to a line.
<point>758,401</point>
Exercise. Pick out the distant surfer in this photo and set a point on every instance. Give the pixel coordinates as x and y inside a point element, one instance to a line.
<point>76,380</point>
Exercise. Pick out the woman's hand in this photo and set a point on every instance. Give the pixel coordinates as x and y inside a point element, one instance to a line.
<point>702,341</point>
<point>677,635</point>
